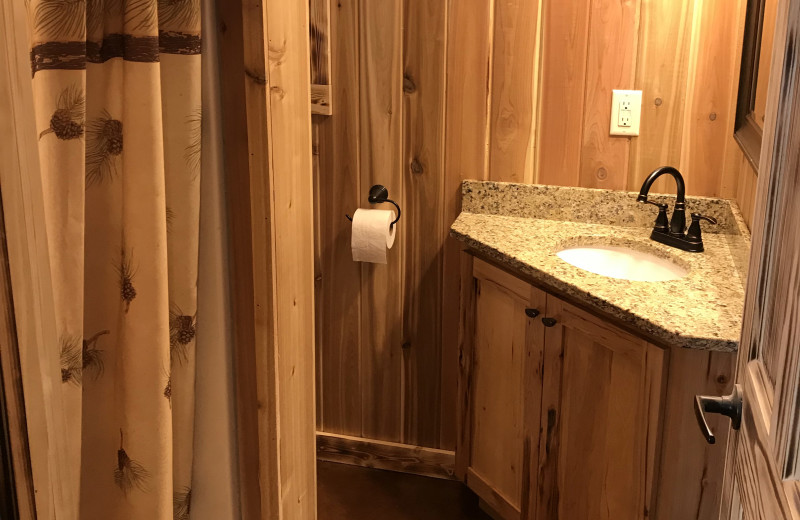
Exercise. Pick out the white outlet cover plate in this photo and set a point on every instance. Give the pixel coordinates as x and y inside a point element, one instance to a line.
<point>635,98</point>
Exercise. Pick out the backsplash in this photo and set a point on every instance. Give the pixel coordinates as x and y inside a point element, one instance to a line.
<point>590,205</point>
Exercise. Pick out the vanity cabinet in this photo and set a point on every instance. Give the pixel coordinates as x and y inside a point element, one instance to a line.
<point>564,415</point>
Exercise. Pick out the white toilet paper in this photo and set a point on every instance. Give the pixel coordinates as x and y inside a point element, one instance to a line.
<point>372,236</point>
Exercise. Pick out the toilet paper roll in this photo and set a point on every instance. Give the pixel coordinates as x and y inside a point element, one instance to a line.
<point>372,235</point>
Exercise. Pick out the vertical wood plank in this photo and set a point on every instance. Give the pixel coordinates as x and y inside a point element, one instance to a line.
<point>319,33</point>
<point>469,33</point>
<point>242,73</point>
<point>512,103</point>
<point>423,155</point>
<point>610,64</point>
<point>289,132</point>
<point>661,72</point>
<point>339,192</point>
<point>565,33</point>
<point>708,117</point>
<point>267,96</point>
<point>381,118</point>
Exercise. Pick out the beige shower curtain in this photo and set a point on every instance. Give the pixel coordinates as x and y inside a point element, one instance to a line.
<point>117,96</point>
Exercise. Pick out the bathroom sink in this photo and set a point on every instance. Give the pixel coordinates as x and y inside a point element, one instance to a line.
<point>623,262</point>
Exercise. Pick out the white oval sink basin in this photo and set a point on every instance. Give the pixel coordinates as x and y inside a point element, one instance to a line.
<point>623,262</point>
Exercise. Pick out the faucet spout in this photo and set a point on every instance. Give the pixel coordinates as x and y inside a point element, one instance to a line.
<point>677,224</point>
<point>658,172</point>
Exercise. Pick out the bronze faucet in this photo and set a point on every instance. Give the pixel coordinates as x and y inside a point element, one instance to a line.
<point>674,234</point>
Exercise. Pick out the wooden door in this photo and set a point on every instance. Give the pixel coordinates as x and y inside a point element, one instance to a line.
<point>763,473</point>
<point>505,390</point>
<point>600,413</point>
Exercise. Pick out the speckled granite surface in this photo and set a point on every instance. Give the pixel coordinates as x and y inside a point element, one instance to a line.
<point>524,226</point>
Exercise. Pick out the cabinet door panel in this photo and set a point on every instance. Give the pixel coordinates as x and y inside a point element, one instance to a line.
<point>497,375</point>
<point>602,389</point>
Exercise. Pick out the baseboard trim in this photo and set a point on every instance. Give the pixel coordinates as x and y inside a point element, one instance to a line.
<point>392,456</point>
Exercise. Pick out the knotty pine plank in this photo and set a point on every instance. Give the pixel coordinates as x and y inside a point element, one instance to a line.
<point>340,192</point>
<point>289,132</point>
<point>513,82</point>
<point>423,156</point>
<point>319,32</point>
<point>661,71</point>
<point>469,43</point>
<point>381,119</point>
<point>565,33</point>
<point>610,64</point>
<point>708,122</point>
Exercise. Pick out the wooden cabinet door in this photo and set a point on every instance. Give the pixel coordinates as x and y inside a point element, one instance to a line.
<point>600,419</point>
<point>504,386</point>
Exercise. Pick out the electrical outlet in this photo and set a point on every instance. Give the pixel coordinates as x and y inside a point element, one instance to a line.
<point>626,112</point>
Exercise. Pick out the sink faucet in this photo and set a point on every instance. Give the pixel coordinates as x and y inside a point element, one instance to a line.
<point>674,234</point>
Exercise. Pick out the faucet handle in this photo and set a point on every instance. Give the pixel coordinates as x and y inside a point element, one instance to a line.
<point>662,222</point>
<point>694,232</point>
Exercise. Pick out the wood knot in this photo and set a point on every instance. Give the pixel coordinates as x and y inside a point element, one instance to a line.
<point>406,345</point>
<point>408,84</point>
<point>722,379</point>
<point>261,79</point>
<point>416,166</point>
<point>602,174</point>
<point>712,116</point>
<point>658,101</point>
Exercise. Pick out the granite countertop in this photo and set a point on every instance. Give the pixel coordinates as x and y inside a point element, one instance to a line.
<point>523,226</point>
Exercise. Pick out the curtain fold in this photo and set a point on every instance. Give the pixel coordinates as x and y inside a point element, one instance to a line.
<point>117,90</point>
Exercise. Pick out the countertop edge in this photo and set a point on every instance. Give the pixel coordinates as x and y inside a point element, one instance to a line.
<point>643,326</point>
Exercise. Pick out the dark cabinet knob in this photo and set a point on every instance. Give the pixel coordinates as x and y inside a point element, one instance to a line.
<point>549,322</point>
<point>531,313</point>
<point>729,406</point>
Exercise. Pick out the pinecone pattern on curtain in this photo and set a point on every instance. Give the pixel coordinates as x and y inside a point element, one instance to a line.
<point>117,95</point>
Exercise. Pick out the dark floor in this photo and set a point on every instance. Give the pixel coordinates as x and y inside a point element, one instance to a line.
<point>347,492</point>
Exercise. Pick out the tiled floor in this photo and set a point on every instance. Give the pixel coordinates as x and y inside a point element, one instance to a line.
<point>351,493</point>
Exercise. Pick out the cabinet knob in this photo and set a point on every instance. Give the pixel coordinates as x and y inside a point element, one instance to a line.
<point>531,313</point>
<point>549,322</point>
<point>729,406</point>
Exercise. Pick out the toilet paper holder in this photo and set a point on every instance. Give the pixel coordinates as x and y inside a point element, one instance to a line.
<point>379,194</point>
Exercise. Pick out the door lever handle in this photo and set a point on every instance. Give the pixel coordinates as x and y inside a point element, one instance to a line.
<point>729,406</point>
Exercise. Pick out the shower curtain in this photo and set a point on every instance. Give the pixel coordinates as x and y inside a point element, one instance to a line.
<point>117,90</point>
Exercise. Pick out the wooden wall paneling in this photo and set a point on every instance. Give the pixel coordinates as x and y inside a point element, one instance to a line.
<point>469,43</point>
<point>319,42</point>
<point>425,25</point>
<point>268,162</point>
<point>339,190</point>
<point>708,120</point>
<point>513,107</point>
<point>610,64</point>
<point>381,120</point>
<point>730,173</point>
<point>29,270</point>
<point>746,190</point>
<point>289,132</point>
<point>661,73</point>
<point>565,33</point>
